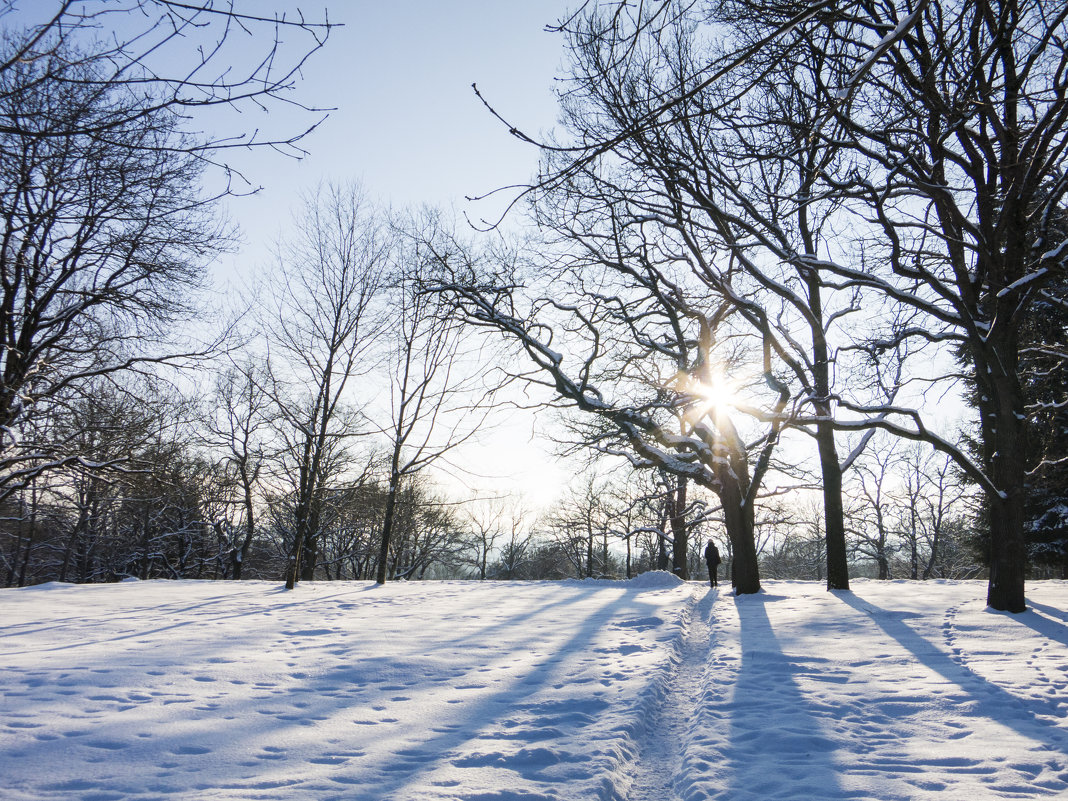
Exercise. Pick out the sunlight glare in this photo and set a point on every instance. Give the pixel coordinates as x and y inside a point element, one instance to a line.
<point>717,394</point>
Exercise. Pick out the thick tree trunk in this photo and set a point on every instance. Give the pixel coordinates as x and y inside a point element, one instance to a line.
<point>738,518</point>
<point>1008,556</point>
<point>833,511</point>
<point>884,565</point>
<point>1005,452</point>
<point>680,547</point>
<point>1008,548</point>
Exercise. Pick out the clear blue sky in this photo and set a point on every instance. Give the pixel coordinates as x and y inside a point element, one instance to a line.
<point>407,123</point>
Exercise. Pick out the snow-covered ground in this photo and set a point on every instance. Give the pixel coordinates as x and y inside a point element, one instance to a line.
<point>647,690</point>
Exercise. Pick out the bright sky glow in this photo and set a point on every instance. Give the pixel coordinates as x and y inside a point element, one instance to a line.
<point>717,393</point>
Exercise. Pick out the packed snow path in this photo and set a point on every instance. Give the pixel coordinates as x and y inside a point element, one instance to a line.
<point>640,690</point>
<point>656,773</point>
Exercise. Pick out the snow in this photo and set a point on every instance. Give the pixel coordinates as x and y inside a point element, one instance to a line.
<point>1027,279</point>
<point>531,691</point>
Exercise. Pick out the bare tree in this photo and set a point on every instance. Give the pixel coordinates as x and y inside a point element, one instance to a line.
<point>427,536</point>
<point>105,229</point>
<point>514,553</point>
<point>932,499</point>
<point>955,114</point>
<point>495,527</point>
<point>728,180</point>
<point>103,242</point>
<point>322,329</point>
<point>578,524</point>
<point>237,424</point>
<point>606,336</point>
<point>440,390</point>
<point>907,511</point>
<point>872,519</point>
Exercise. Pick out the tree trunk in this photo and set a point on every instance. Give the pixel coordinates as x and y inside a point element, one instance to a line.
<point>296,555</point>
<point>738,517</point>
<point>830,467</point>
<point>1008,556</point>
<point>680,547</point>
<point>250,531</point>
<point>1004,450</point>
<point>734,483</point>
<point>833,509</point>
<point>387,531</point>
<point>884,565</point>
<point>309,554</point>
<point>661,542</point>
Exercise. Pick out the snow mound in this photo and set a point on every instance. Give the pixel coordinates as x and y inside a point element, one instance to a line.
<point>654,580</point>
<point>49,585</point>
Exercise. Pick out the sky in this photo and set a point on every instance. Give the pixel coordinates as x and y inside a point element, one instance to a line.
<point>407,125</point>
<point>406,122</point>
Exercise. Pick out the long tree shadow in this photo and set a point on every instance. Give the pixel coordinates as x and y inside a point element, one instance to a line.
<point>501,719</point>
<point>517,705</point>
<point>177,610</point>
<point>1022,715</point>
<point>1052,611</point>
<point>1051,623</point>
<point>776,748</point>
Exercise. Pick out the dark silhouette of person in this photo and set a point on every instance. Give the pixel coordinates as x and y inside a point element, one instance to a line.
<point>712,557</point>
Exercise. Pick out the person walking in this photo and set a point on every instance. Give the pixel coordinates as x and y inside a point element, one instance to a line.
<point>712,558</point>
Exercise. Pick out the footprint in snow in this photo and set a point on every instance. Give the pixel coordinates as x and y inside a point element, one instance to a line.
<point>190,750</point>
<point>639,624</point>
<point>107,745</point>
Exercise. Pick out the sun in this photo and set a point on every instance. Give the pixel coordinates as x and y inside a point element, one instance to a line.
<point>715,394</point>
<point>719,392</point>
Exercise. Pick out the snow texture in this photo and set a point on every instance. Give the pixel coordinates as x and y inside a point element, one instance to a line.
<point>652,689</point>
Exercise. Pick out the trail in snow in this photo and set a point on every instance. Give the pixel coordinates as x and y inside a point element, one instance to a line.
<point>662,748</point>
